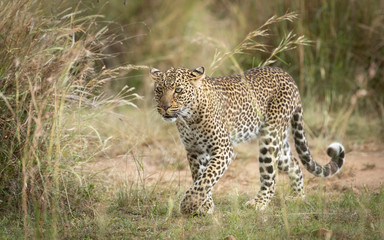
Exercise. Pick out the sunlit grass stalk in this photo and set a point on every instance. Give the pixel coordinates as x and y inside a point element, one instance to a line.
<point>251,43</point>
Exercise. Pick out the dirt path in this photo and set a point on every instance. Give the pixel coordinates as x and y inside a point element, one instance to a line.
<point>362,169</point>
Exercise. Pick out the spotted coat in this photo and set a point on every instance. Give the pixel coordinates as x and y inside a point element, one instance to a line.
<point>214,113</point>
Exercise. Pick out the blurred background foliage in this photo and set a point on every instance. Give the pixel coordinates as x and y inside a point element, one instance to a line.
<point>345,55</point>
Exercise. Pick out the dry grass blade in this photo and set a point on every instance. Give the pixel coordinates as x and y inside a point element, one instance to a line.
<point>251,43</point>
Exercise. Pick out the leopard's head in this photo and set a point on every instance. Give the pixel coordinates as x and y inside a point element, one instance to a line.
<point>176,90</point>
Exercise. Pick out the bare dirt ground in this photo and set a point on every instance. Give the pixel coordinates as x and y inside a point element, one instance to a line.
<point>363,169</point>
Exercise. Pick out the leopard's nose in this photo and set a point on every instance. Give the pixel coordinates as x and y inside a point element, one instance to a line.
<point>165,107</point>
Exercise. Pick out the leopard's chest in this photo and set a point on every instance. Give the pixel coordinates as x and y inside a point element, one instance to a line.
<point>195,138</point>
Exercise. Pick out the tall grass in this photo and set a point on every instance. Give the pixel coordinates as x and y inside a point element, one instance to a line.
<point>50,71</point>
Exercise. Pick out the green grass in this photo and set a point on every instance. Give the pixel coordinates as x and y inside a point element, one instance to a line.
<point>138,212</point>
<point>154,215</point>
<point>349,216</point>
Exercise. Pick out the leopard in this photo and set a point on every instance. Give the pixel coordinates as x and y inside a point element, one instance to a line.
<point>213,114</point>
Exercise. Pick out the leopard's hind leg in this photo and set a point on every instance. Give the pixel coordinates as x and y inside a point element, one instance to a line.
<point>270,145</point>
<point>287,163</point>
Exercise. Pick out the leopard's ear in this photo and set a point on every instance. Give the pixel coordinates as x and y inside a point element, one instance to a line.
<point>198,76</point>
<point>155,74</point>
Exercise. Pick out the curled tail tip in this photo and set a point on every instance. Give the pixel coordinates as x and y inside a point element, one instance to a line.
<point>337,153</point>
<point>335,150</point>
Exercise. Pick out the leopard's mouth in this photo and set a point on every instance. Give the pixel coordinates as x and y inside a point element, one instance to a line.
<point>173,116</point>
<point>170,118</point>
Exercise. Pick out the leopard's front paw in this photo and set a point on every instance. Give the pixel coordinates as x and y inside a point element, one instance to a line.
<point>188,205</point>
<point>256,204</point>
<point>207,207</point>
<point>195,204</point>
<point>295,196</point>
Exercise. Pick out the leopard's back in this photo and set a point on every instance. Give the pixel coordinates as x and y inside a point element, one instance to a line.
<point>246,100</point>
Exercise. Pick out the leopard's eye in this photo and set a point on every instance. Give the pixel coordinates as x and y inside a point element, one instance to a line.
<point>178,90</point>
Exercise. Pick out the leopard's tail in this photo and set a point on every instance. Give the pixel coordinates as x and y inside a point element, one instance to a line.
<point>335,150</point>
